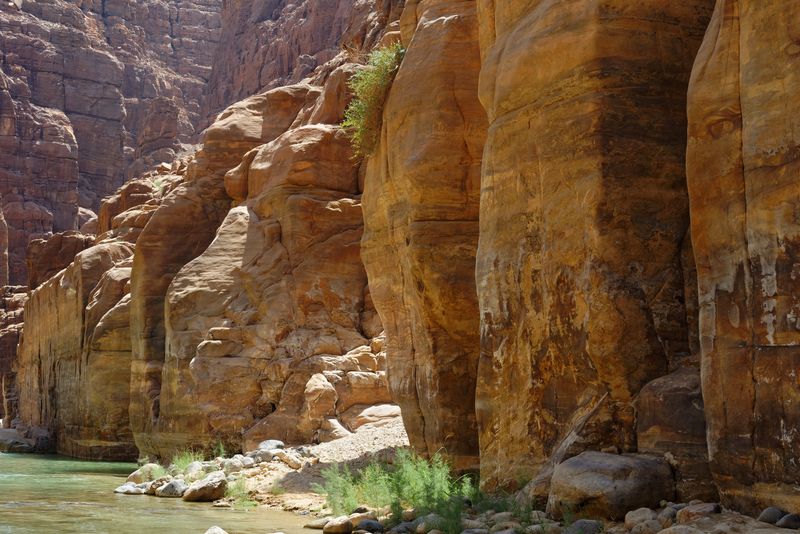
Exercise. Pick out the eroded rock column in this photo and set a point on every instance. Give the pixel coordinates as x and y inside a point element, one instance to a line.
<point>421,227</point>
<point>743,164</point>
<point>583,214</point>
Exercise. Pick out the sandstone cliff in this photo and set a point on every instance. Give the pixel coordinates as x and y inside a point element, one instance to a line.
<point>524,239</point>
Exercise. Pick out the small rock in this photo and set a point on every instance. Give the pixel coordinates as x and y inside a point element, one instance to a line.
<point>584,526</point>
<point>771,515</point>
<point>131,488</point>
<point>501,517</point>
<point>174,488</point>
<point>472,524</point>
<point>651,526</point>
<point>475,531</point>
<point>222,503</point>
<point>370,525</point>
<point>789,521</point>
<point>505,525</point>
<point>157,483</point>
<point>338,525</point>
<point>247,462</point>
<point>270,444</point>
<point>317,524</point>
<point>641,515</point>
<point>681,529</point>
<point>407,526</point>
<point>667,516</point>
<point>534,529</point>
<point>146,473</point>
<point>538,516</point>
<point>215,530</point>
<point>409,515</point>
<point>288,458</point>
<point>697,510</point>
<point>553,528</point>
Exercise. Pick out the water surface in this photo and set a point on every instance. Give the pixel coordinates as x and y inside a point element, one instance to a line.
<point>53,494</point>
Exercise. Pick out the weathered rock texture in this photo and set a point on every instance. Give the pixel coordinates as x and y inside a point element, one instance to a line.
<point>742,170</point>
<point>74,358</point>
<point>421,214</point>
<point>280,42</point>
<point>671,422</point>
<point>583,215</point>
<point>93,92</point>
<point>12,302</point>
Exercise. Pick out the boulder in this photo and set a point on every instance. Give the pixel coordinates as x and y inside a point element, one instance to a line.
<point>338,525</point>
<point>609,485</point>
<point>132,488</point>
<point>209,489</point>
<point>174,488</point>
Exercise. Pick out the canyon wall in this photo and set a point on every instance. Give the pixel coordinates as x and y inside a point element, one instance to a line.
<point>742,170</point>
<point>524,237</point>
<point>421,215</point>
<point>92,93</point>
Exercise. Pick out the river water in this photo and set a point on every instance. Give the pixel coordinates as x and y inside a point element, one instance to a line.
<point>53,494</point>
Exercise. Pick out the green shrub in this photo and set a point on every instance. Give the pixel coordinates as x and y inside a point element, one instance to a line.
<point>370,87</point>
<point>427,486</point>
<point>237,492</point>
<point>182,459</point>
<point>219,450</point>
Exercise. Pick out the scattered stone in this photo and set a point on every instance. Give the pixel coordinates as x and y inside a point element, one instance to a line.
<point>174,488</point>
<point>317,524</point>
<point>697,510</point>
<point>584,526</point>
<point>409,515</point>
<point>288,458</point>
<point>215,530</point>
<point>247,462</point>
<point>596,484</point>
<point>470,524</point>
<point>771,515</point>
<point>667,516</point>
<point>131,488</point>
<point>534,529</point>
<point>681,529</point>
<point>637,516</point>
<point>475,531</point>
<point>222,503</point>
<point>506,525</point>
<point>407,526</point>
<point>271,444</point>
<point>209,489</point>
<point>261,456</point>
<point>789,521</point>
<point>146,473</point>
<point>651,526</point>
<point>502,517</point>
<point>157,483</point>
<point>338,525</point>
<point>232,466</point>
<point>370,525</point>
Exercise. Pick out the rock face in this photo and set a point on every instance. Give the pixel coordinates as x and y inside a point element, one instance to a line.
<point>92,93</point>
<point>671,422</point>
<point>583,216</point>
<point>280,42</point>
<point>742,167</point>
<point>12,301</point>
<point>421,216</point>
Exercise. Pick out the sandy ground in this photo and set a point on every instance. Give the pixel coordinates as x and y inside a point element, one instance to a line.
<point>278,485</point>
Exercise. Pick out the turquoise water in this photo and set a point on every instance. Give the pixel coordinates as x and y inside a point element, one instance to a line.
<point>53,494</point>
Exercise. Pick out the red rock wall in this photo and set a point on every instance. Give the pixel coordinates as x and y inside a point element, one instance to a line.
<point>743,165</point>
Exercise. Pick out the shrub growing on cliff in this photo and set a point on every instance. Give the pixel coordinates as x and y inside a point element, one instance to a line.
<point>370,87</point>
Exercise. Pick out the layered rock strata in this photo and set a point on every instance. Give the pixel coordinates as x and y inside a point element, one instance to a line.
<point>742,171</point>
<point>583,215</point>
<point>92,93</point>
<point>421,214</point>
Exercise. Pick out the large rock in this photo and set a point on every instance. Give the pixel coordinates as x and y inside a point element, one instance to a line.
<point>209,489</point>
<point>583,217</point>
<point>742,167</point>
<point>421,197</point>
<point>596,484</point>
<point>670,421</point>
